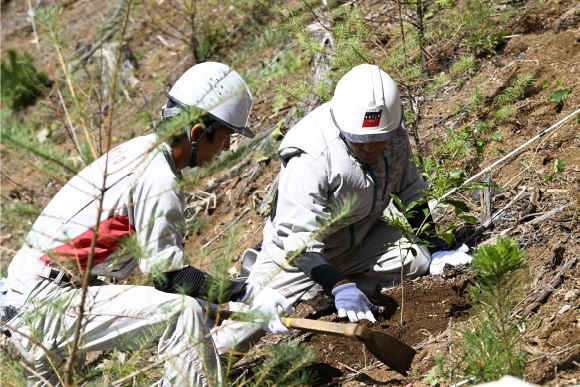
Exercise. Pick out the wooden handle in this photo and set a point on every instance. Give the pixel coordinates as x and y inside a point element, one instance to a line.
<point>303,324</point>
<point>326,327</point>
<point>384,347</point>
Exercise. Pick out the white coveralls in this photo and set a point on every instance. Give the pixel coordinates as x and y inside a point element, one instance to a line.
<point>143,201</point>
<point>323,171</point>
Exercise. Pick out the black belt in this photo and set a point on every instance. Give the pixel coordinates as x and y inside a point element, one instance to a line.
<point>60,277</point>
<point>6,314</point>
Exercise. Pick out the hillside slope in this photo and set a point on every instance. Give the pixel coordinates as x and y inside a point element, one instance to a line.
<point>537,206</point>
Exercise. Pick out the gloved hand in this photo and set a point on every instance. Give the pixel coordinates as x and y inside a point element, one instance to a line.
<point>252,289</point>
<point>237,289</point>
<point>351,302</point>
<point>266,303</point>
<point>450,257</point>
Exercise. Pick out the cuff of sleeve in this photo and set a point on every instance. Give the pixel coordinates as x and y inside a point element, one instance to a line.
<point>437,244</point>
<point>419,216</point>
<point>315,266</point>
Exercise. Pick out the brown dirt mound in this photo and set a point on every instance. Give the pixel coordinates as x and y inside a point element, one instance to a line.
<point>430,305</point>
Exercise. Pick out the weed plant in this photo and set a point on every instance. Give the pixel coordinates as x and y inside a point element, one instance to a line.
<point>218,291</point>
<point>19,135</point>
<point>17,215</point>
<point>350,34</point>
<point>559,96</point>
<point>558,167</point>
<point>467,145</point>
<point>21,84</point>
<point>505,108</point>
<point>490,344</point>
<point>285,365</point>
<point>204,36</point>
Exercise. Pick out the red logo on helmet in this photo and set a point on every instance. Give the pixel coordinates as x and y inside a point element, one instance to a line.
<point>372,119</point>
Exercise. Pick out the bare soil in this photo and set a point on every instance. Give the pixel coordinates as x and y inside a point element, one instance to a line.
<point>432,305</point>
<point>543,41</point>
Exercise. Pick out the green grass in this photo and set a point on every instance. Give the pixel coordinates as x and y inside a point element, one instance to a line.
<point>21,83</point>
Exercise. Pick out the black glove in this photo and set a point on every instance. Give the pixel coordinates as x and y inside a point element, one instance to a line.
<point>237,289</point>
<point>196,283</point>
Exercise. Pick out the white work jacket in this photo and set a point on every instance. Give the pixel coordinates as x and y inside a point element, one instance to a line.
<point>141,200</point>
<point>318,170</point>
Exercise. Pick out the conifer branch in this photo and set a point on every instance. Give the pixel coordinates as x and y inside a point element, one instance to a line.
<point>339,212</point>
<point>69,366</point>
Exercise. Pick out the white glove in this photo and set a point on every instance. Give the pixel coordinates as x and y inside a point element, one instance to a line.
<point>266,303</point>
<point>351,302</point>
<point>252,289</point>
<point>449,257</point>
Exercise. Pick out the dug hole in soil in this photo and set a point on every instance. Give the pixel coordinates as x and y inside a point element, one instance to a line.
<point>430,308</point>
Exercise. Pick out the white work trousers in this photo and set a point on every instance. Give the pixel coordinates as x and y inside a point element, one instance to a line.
<point>370,264</point>
<point>115,316</point>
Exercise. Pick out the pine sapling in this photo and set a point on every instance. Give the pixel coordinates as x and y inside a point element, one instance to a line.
<point>492,345</point>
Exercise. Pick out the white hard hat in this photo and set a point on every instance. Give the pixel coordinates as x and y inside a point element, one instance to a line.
<point>366,106</point>
<point>217,89</point>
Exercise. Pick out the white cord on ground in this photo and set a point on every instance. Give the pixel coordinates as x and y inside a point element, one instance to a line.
<point>512,153</point>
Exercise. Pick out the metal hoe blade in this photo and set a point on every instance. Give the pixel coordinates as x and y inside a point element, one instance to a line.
<point>386,348</point>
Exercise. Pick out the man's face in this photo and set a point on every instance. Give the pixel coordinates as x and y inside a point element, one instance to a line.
<point>367,152</point>
<point>208,148</point>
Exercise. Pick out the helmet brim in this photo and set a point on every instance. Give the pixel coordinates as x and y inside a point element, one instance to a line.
<point>368,137</point>
<point>244,130</point>
<point>177,107</point>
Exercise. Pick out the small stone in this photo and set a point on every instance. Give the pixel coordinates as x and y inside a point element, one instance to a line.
<point>42,135</point>
<point>570,295</point>
<point>564,309</point>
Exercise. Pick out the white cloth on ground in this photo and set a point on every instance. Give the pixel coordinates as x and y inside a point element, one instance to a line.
<point>449,257</point>
<point>507,381</point>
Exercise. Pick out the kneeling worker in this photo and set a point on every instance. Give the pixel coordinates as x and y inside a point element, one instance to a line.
<point>132,191</point>
<point>354,146</point>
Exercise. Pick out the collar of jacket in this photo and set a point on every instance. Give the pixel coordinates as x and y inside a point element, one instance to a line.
<point>170,160</point>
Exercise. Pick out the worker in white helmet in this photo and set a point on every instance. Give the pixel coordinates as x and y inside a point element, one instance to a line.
<point>130,192</point>
<point>354,146</point>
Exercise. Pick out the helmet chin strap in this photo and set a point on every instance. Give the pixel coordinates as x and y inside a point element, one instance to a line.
<point>193,159</point>
<point>349,150</point>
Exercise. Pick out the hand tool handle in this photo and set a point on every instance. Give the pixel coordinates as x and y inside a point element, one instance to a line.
<point>303,324</point>
<point>384,347</point>
<point>326,327</point>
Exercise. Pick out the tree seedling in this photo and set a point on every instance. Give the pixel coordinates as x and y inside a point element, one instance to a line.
<point>559,96</point>
<point>493,345</point>
<point>559,166</point>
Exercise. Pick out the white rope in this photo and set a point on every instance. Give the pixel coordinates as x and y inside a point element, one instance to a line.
<point>512,153</point>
